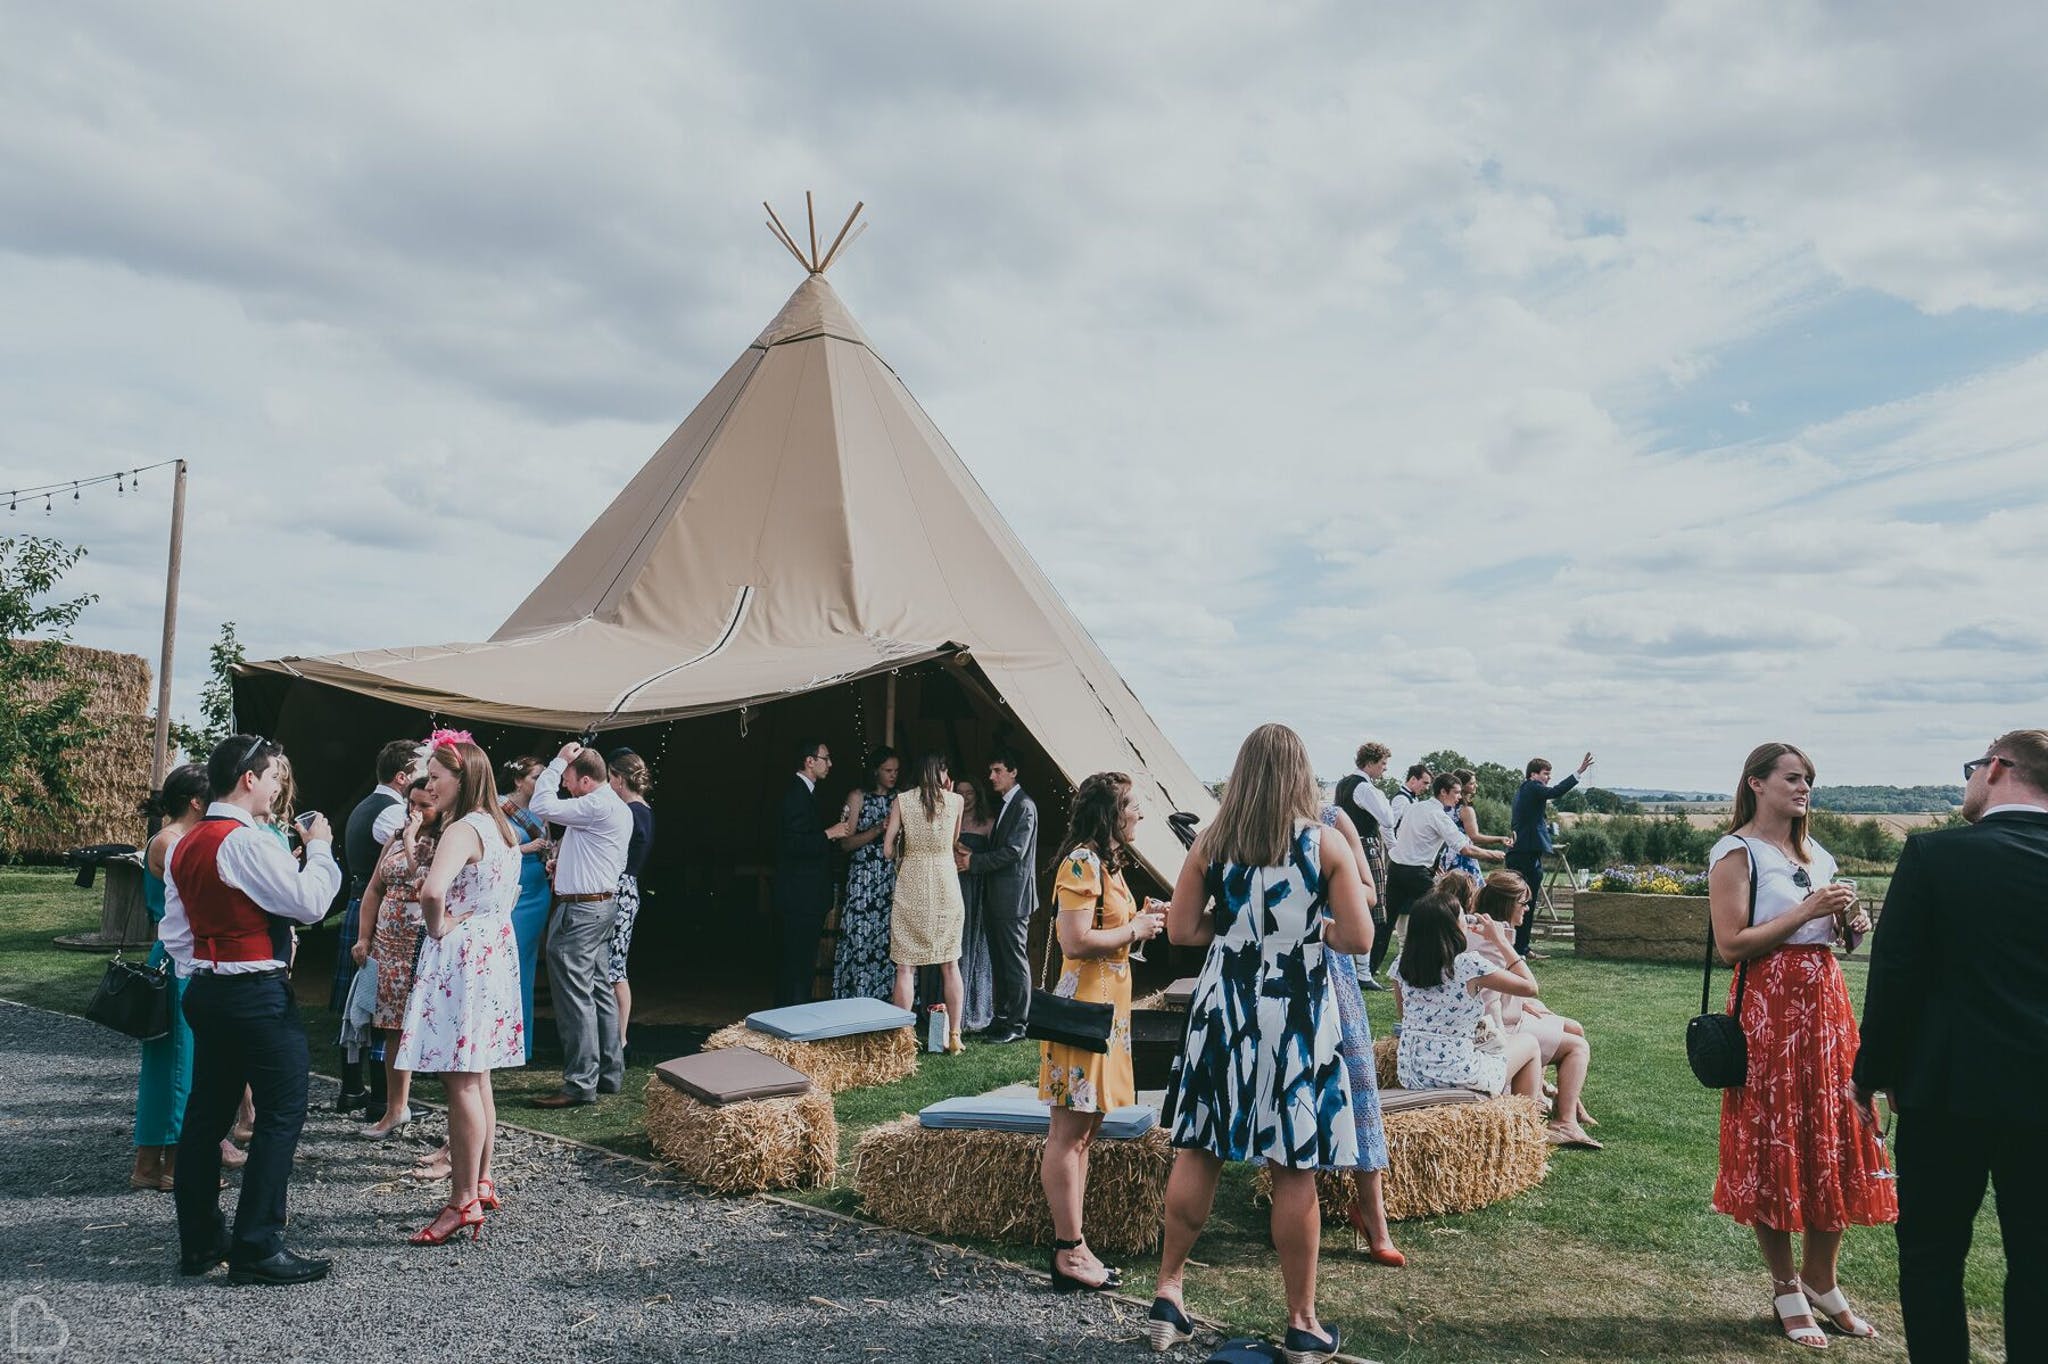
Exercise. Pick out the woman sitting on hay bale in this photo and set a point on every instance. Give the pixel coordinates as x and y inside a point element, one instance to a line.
<point>1560,1041</point>
<point>1097,922</point>
<point>1441,976</point>
<point>1254,890</point>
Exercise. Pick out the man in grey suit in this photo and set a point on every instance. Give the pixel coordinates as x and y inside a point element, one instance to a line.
<point>1009,896</point>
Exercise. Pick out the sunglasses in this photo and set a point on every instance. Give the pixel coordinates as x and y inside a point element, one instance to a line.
<point>1970,768</point>
<point>257,743</point>
<point>1801,879</point>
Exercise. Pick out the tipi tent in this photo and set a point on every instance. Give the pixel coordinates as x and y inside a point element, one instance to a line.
<point>806,554</point>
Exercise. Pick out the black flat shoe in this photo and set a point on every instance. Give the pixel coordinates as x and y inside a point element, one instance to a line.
<point>1063,1282</point>
<point>1300,1347</point>
<point>282,1267</point>
<point>192,1266</point>
<point>1167,1326</point>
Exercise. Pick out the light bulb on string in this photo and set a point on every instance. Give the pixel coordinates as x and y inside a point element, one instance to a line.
<point>47,503</point>
<point>74,490</point>
<point>120,484</point>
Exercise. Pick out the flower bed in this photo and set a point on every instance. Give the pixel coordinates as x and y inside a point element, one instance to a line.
<point>1639,925</point>
<point>1657,880</point>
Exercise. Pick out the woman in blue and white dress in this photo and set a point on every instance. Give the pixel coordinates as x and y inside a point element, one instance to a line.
<point>1264,1076</point>
<point>861,968</point>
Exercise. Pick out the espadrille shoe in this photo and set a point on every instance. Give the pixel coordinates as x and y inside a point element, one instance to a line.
<point>1305,1347</point>
<point>1167,1326</point>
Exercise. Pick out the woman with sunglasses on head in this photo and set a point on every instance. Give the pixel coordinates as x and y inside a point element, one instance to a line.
<point>1795,1155</point>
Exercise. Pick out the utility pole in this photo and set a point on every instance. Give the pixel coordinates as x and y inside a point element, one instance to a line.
<point>159,753</point>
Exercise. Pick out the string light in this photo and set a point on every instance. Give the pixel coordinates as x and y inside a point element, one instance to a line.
<point>122,479</point>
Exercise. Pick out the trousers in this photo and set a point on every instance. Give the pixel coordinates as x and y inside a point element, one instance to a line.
<point>1009,961</point>
<point>586,1010</point>
<point>1405,885</point>
<point>245,1031</point>
<point>1944,1163</point>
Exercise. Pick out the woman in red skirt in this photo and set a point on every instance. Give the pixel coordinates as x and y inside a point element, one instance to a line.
<point>1795,1156</point>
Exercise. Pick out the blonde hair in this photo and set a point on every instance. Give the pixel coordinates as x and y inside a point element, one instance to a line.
<point>1272,787</point>
<point>2027,751</point>
<point>631,770</point>
<point>287,803</point>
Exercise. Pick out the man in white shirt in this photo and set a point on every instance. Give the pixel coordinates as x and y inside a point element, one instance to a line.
<point>588,866</point>
<point>1414,790</point>
<point>231,894</point>
<point>1427,827</point>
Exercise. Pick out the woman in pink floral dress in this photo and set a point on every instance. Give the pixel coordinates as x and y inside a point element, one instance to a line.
<point>464,1018</point>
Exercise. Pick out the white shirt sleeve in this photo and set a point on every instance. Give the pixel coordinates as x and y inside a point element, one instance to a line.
<point>175,932</point>
<point>389,821</point>
<point>1376,804</point>
<point>256,864</point>
<point>573,812</point>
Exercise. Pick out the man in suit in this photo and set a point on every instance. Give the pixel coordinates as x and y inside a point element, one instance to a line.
<point>1955,1023</point>
<point>1009,896</point>
<point>1532,833</point>
<point>803,873</point>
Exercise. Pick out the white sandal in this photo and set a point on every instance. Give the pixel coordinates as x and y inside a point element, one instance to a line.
<point>1790,1305</point>
<point>1835,1305</point>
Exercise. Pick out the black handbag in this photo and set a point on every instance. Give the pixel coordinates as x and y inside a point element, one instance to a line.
<point>1715,1046</point>
<point>1075,1023</point>
<point>132,999</point>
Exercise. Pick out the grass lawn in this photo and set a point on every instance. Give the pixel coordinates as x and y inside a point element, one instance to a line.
<point>1614,1257</point>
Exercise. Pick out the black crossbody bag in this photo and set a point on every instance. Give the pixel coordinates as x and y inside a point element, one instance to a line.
<point>1076,1023</point>
<point>1714,1042</point>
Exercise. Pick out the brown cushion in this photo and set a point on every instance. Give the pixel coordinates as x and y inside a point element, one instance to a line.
<point>1181,991</point>
<point>1409,1100</point>
<point>733,1075</point>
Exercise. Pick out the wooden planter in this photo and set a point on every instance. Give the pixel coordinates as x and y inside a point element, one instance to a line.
<point>1621,926</point>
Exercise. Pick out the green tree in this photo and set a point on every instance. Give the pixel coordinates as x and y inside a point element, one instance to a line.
<point>42,717</point>
<point>216,699</point>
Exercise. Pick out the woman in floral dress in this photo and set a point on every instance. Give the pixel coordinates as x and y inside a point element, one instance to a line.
<point>1264,1076</point>
<point>390,928</point>
<point>1097,921</point>
<point>861,968</point>
<point>1443,980</point>
<point>463,1020</point>
<point>1795,1155</point>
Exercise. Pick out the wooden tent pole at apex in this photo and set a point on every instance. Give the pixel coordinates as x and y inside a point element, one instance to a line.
<point>159,753</point>
<point>814,263</point>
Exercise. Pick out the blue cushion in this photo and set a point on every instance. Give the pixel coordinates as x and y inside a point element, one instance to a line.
<point>1009,1112</point>
<point>829,1018</point>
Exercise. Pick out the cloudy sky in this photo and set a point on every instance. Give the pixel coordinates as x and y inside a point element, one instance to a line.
<point>1659,379</point>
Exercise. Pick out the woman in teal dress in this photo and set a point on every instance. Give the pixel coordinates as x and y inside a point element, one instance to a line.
<point>530,910</point>
<point>166,1061</point>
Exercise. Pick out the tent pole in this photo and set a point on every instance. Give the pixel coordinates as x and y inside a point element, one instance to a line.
<point>159,752</point>
<point>889,713</point>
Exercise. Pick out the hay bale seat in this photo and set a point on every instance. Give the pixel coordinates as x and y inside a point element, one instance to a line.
<point>790,1142</point>
<point>836,1063</point>
<point>985,1184</point>
<point>1454,1155</point>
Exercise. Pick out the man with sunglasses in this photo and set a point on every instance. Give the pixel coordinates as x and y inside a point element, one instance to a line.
<point>1955,1026</point>
<point>231,895</point>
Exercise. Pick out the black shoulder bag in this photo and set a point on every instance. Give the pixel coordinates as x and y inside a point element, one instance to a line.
<point>1714,1042</point>
<point>1076,1023</point>
<point>133,999</point>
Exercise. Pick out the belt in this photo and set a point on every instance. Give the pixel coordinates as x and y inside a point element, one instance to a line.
<point>274,973</point>
<point>590,899</point>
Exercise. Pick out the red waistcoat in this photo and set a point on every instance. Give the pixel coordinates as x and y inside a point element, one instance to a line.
<point>226,924</point>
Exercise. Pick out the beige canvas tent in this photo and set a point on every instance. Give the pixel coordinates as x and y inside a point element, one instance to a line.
<point>805,554</point>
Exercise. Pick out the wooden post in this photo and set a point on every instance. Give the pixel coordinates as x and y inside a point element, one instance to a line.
<point>889,713</point>
<point>159,755</point>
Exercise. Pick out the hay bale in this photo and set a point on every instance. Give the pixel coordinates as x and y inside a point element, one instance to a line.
<point>109,772</point>
<point>985,1184</point>
<point>868,1058</point>
<point>1454,1158</point>
<point>1386,1063</point>
<point>785,1143</point>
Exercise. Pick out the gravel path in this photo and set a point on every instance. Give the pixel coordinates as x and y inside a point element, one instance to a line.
<point>593,1258</point>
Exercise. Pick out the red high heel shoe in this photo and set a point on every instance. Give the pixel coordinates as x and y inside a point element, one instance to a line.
<point>471,1215</point>
<point>487,1195</point>
<point>1362,1242</point>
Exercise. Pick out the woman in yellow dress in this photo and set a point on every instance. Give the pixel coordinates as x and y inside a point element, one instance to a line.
<point>926,913</point>
<point>1098,921</point>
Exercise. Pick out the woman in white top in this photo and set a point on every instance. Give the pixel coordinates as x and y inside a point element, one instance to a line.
<point>1441,977</point>
<point>1795,1155</point>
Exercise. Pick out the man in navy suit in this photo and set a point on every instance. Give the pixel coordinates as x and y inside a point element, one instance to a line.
<point>1532,833</point>
<point>1955,1023</point>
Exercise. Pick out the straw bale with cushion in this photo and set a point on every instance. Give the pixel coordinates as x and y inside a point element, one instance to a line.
<point>839,1043</point>
<point>737,1121</point>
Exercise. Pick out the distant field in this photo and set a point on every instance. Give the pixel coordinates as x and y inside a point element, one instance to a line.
<point>1716,816</point>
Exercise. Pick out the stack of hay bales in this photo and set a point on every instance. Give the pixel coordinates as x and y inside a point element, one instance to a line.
<point>985,1184</point>
<point>836,1063</point>
<point>109,772</point>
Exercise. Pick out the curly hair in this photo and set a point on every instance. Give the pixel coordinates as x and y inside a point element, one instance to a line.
<point>1097,818</point>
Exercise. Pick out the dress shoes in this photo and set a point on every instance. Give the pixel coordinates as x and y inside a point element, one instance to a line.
<point>561,1101</point>
<point>1004,1038</point>
<point>347,1102</point>
<point>281,1267</point>
<point>192,1266</point>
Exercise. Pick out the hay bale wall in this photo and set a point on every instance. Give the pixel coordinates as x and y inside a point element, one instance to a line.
<point>985,1184</point>
<point>1442,1160</point>
<point>110,774</point>
<point>869,1058</point>
<point>783,1143</point>
<point>1616,926</point>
